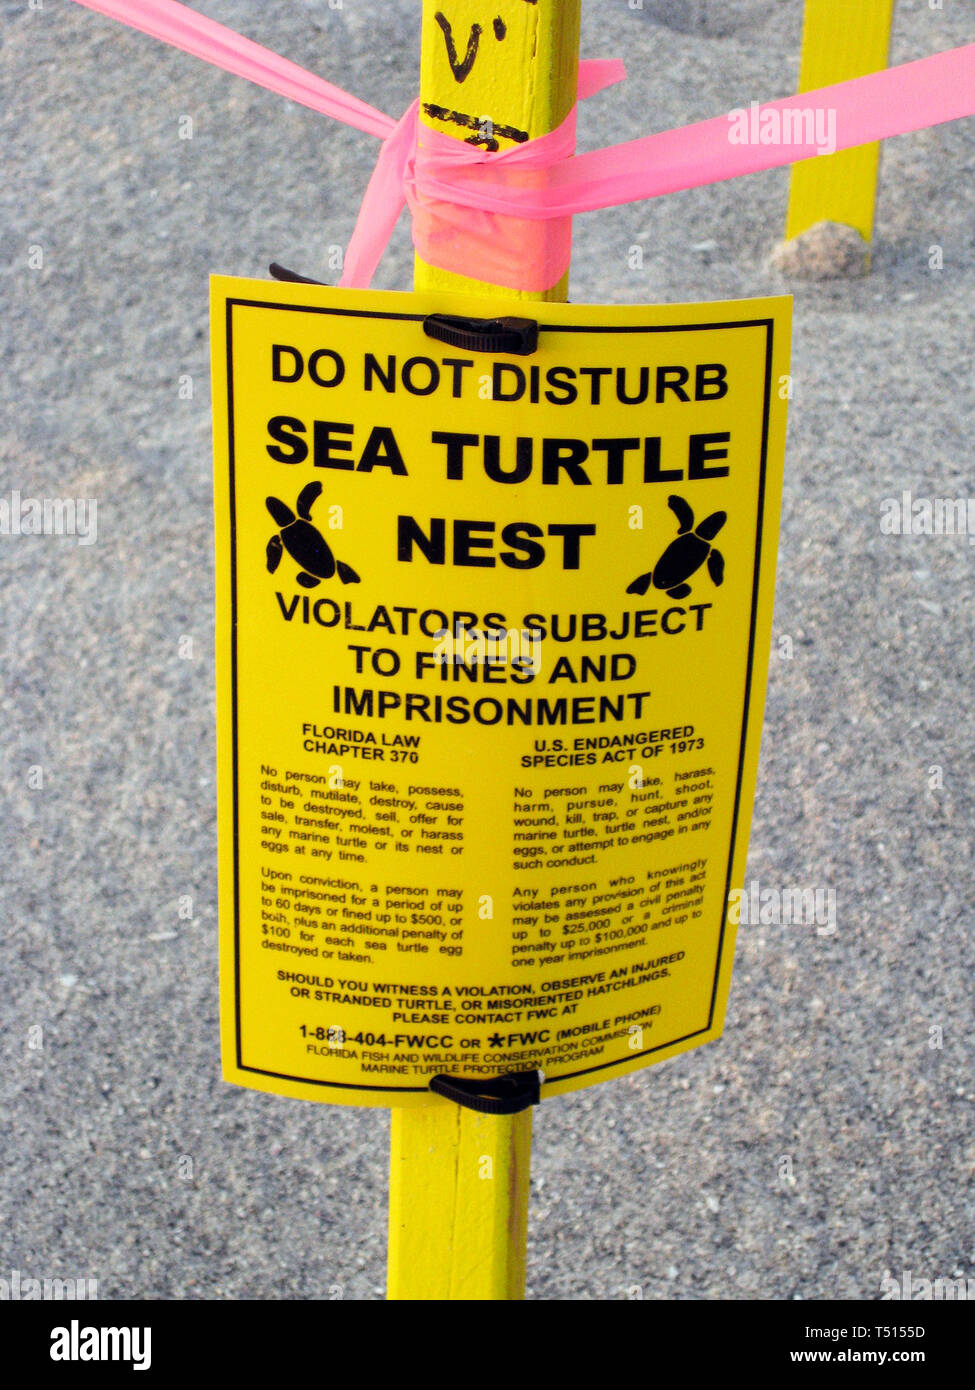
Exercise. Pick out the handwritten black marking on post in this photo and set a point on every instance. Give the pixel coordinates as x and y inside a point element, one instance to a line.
<point>490,143</point>
<point>460,68</point>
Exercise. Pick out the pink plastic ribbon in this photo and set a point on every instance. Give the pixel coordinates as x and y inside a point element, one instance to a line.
<point>516,252</point>
<point>183,28</point>
<point>482,214</point>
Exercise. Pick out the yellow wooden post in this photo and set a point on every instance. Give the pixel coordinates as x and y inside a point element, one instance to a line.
<point>458,1204</point>
<point>523,77</point>
<point>458,1183</point>
<point>841,39</point>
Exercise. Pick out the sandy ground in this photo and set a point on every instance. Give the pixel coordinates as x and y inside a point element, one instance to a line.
<point>673,1181</point>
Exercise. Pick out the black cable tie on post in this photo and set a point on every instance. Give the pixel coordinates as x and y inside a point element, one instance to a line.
<point>516,336</point>
<point>291,276</point>
<point>505,1095</point>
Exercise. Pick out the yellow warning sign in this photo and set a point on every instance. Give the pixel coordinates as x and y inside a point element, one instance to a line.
<point>493,633</point>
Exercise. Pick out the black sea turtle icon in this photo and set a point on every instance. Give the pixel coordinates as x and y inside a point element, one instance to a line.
<point>684,557</point>
<point>304,542</point>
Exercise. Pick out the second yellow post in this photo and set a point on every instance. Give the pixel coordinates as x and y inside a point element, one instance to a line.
<point>841,39</point>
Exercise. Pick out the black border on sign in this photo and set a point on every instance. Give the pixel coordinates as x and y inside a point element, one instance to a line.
<point>769,326</point>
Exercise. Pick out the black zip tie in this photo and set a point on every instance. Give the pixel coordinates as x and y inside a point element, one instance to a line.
<point>516,336</point>
<point>281,273</point>
<point>505,1095</point>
